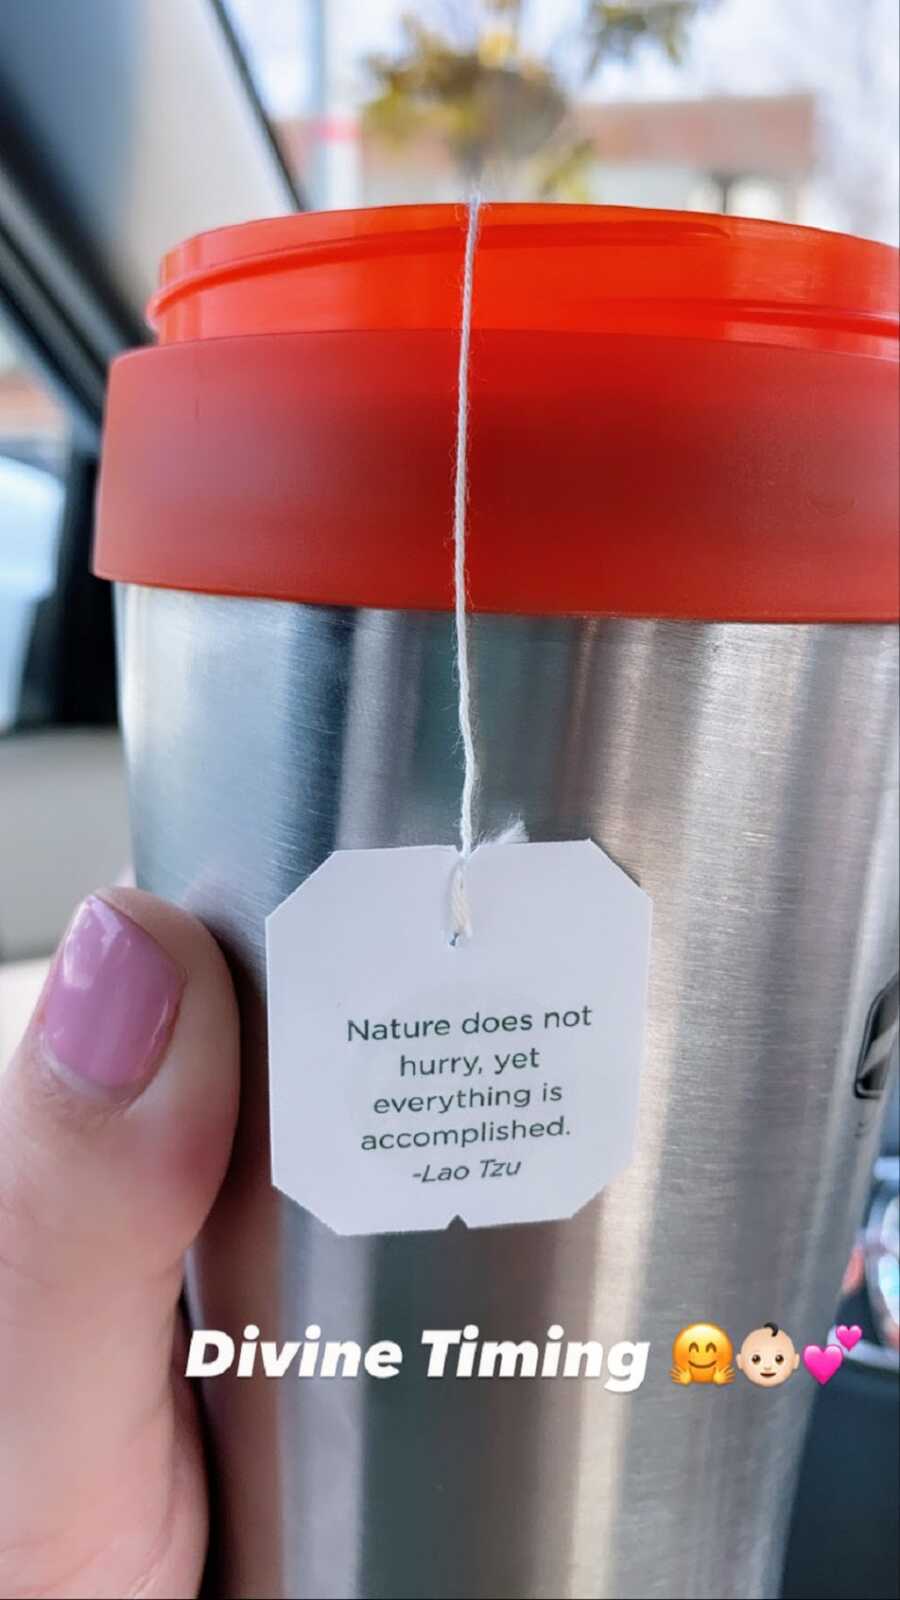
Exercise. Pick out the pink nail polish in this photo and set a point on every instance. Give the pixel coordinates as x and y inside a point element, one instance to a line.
<point>111,1000</point>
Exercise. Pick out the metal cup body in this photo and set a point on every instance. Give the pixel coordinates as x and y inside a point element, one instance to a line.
<point>746,776</point>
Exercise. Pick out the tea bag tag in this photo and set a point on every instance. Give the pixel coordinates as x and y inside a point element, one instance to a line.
<point>414,1080</point>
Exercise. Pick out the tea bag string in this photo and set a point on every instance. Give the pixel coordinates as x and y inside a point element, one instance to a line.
<point>460,915</point>
<point>460,912</point>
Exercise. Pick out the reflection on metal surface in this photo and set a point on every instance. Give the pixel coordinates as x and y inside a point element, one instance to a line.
<point>746,776</point>
<point>882,1253</point>
<point>879,1043</point>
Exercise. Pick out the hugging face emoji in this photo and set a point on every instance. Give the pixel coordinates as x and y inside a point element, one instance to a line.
<point>767,1356</point>
<point>702,1354</point>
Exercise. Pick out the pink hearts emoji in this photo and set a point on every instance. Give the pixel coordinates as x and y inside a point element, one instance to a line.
<point>849,1337</point>
<point>823,1364</point>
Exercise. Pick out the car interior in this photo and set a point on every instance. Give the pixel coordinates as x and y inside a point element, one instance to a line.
<point>129,126</point>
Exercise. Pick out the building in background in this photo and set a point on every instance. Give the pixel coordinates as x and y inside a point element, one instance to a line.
<point>760,107</point>
<point>751,155</point>
<point>33,426</point>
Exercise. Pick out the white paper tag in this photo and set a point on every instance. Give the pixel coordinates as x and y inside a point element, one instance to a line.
<point>413,1081</point>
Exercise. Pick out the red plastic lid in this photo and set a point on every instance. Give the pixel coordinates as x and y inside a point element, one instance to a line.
<point>672,415</point>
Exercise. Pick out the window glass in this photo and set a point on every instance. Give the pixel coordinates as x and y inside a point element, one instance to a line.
<point>33,438</point>
<point>755,107</point>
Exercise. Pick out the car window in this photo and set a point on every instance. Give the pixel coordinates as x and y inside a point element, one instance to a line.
<point>753,107</point>
<point>33,443</point>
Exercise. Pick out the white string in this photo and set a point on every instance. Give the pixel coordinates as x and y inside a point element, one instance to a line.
<point>515,833</point>
<point>460,916</point>
<point>460,495</point>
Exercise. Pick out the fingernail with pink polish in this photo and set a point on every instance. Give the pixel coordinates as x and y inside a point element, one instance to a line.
<point>111,1000</point>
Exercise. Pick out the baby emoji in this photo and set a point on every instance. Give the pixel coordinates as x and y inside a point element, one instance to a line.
<point>767,1356</point>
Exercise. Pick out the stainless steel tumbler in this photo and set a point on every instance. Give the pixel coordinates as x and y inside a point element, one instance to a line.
<point>683,510</point>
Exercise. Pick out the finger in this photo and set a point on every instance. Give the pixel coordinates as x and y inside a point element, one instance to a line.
<point>116,1118</point>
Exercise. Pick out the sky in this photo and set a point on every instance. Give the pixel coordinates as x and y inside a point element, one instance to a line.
<point>845,51</point>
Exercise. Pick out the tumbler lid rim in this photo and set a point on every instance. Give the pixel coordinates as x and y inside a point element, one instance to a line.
<point>626,268</point>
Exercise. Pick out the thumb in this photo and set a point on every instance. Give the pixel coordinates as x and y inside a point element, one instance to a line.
<point>116,1119</point>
